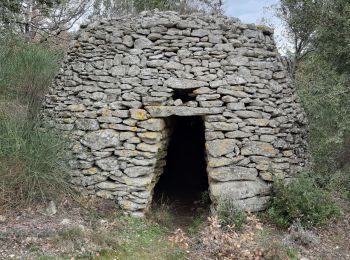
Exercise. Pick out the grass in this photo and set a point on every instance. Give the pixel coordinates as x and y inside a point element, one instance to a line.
<point>32,168</point>
<point>32,160</point>
<point>133,238</point>
<point>162,213</point>
<point>230,214</point>
<point>197,225</point>
<point>26,71</point>
<point>71,233</point>
<point>142,240</point>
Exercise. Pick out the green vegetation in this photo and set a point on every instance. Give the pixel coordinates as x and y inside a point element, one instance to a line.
<point>31,163</point>
<point>31,159</point>
<point>325,95</point>
<point>198,223</point>
<point>162,213</point>
<point>319,32</point>
<point>301,200</point>
<point>71,233</point>
<point>138,239</point>
<point>26,71</point>
<point>231,215</point>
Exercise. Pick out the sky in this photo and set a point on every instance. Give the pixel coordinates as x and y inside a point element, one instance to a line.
<point>248,11</point>
<point>254,11</point>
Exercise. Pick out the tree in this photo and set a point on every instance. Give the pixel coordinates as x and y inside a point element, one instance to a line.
<point>301,18</point>
<point>114,8</point>
<point>40,19</point>
<point>333,35</point>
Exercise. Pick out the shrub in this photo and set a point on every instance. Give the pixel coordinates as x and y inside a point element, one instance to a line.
<point>32,163</point>
<point>26,70</point>
<point>230,214</point>
<point>298,234</point>
<point>301,200</point>
<point>325,95</point>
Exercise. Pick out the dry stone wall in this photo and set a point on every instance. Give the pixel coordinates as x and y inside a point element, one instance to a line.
<point>119,85</point>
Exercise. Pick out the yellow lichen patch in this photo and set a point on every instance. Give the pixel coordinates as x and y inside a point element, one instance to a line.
<point>134,129</point>
<point>271,176</point>
<point>67,120</point>
<point>135,139</point>
<point>217,162</point>
<point>138,114</point>
<point>288,153</point>
<point>91,171</point>
<point>150,135</point>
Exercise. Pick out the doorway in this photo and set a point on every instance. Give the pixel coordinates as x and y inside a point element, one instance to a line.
<point>184,182</point>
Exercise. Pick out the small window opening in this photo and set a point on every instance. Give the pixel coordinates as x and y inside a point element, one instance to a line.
<point>184,95</point>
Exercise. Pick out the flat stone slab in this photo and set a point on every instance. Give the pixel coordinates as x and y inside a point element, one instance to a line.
<point>233,173</point>
<point>177,83</point>
<point>165,111</point>
<point>237,190</point>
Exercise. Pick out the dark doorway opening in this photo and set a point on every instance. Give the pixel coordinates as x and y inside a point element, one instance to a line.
<point>184,182</point>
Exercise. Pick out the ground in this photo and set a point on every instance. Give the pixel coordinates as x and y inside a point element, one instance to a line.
<point>83,231</point>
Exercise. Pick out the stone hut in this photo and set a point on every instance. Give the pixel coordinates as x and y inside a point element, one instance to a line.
<point>128,85</point>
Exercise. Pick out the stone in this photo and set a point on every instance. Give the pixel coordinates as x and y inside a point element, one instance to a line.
<point>124,80</point>
<point>108,164</point>
<point>172,65</point>
<point>155,63</point>
<point>152,124</point>
<point>259,148</point>
<point>237,134</point>
<point>254,204</point>
<point>131,206</point>
<point>150,136</point>
<point>137,171</point>
<point>51,208</point>
<point>237,190</point>
<point>200,33</point>
<point>108,185</point>
<point>248,114</point>
<point>87,124</point>
<point>238,61</point>
<point>258,121</point>
<point>218,148</point>
<point>142,43</point>
<point>105,194</point>
<point>219,162</point>
<point>100,139</point>
<point>235,106</point>
<point>272,176</point>
<point>147,147</point>
<point>221,126</point>
<point>177,83</point>
<point>233,173</point>
<point>76,108</point>
<point>138,114</point>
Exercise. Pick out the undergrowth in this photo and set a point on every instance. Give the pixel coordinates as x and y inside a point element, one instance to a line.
<point>301,200</point>
<point>26,71</point>
<point>32,164</point>
<point>32,160</point>
<point>230,214</point>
